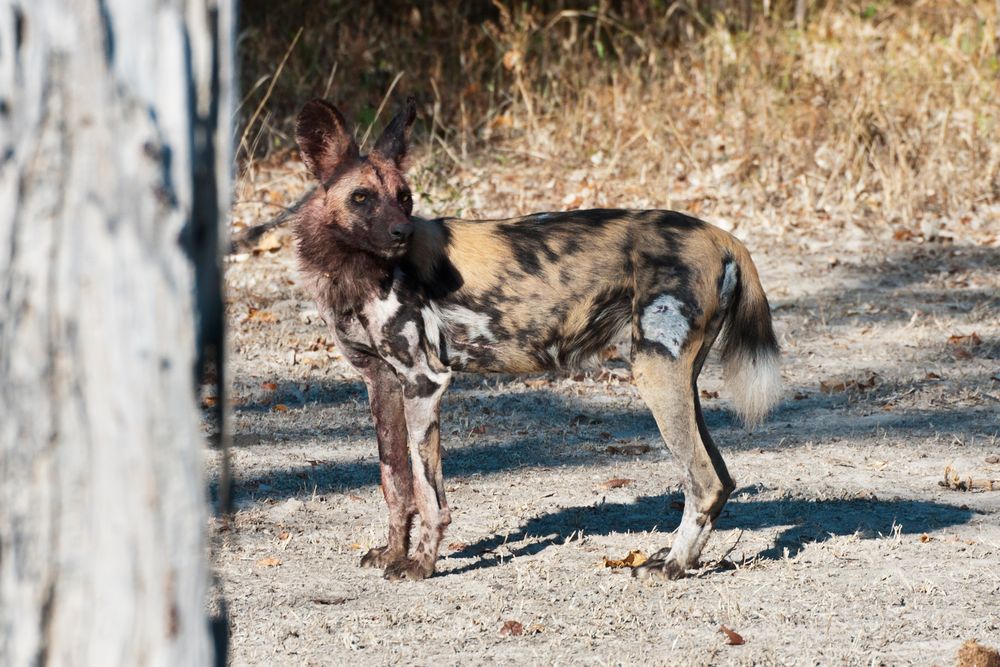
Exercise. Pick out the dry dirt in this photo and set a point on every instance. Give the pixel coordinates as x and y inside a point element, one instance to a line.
<point>839,546</point>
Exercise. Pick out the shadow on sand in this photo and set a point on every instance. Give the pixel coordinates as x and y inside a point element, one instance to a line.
<point>802,522</point>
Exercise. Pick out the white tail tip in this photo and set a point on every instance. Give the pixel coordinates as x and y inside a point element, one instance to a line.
<point>754,383</point>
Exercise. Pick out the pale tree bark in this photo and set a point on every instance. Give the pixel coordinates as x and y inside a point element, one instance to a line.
<point>114,147</point>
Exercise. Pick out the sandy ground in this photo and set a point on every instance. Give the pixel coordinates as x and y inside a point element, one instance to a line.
<point>839,546</point>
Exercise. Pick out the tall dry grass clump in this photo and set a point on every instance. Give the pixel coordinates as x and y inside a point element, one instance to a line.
<point>882,120</point>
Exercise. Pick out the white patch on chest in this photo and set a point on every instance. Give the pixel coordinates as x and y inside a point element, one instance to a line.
<point>381,311</point>
<point>663,322</point>
<point>410,333</point>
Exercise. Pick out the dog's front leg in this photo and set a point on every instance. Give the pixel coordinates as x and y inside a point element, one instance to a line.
<point>422,405</point>
<point>385,396</point>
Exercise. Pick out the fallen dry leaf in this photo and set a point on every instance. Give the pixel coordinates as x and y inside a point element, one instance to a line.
<point>709,394</point>
<point>536,384</point>
<point>209,402</point>
<point>478,430</point>
<point>617,483</point>
<point>925,538</point>
<point>633,559</point>
<point>630,450</point>
<point>733,638</point>
<point>837,386</point>
<point>269,386</point>
<point>280,407</point>
<point>257,315</point>
<point>269,562</point>
<point>971,339</point>
<point>457,546</point>
<point>974,654</point>
<point>832,386</point>
<point>512,629</point>
<point>269,242</point>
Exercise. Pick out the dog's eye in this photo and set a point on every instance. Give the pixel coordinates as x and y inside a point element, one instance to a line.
<point>405,198</point>
<point>359,197</point>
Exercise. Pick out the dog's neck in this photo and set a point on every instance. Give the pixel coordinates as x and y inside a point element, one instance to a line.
<point>342,277</point>
<point>348,279</point>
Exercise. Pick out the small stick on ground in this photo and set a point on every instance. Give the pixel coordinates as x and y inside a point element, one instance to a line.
<point>953,481</point>
<point>721,562</point>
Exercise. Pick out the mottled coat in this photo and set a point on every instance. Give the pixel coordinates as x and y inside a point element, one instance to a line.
<point>410,300</point>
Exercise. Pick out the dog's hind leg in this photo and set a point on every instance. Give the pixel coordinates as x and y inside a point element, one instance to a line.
<point>667,385</point>
<point>385,395</point>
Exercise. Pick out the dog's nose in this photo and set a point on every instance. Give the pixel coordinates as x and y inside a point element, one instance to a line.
<point>402,231</point>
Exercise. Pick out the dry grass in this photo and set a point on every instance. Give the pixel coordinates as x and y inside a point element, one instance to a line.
<point>880,120</point>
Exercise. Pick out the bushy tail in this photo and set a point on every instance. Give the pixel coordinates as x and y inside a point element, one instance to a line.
<point>749,348</point>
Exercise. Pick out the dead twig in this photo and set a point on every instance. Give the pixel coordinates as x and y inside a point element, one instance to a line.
<point>250,235</point>
<point>722,559</point>
<point>952,480</point>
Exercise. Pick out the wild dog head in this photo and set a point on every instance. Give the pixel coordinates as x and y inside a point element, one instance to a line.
<point>363,204</point>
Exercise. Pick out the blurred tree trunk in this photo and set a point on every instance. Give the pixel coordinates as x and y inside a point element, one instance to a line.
<point>114,161</point>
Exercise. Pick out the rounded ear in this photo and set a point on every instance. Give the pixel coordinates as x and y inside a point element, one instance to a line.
<point>394,144</point>
<point>323,139</point>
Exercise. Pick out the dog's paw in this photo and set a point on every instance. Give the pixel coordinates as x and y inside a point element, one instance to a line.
<point>379,557</point>
<point>408,568</point>
<point>656,567</point>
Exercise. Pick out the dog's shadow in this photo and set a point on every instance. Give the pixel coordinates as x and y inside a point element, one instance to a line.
<point>801,521</point>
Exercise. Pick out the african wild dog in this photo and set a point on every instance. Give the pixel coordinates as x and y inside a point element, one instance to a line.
<point>410,300</point>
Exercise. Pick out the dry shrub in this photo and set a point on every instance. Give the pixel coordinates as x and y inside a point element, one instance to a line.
<point>878,118</point>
